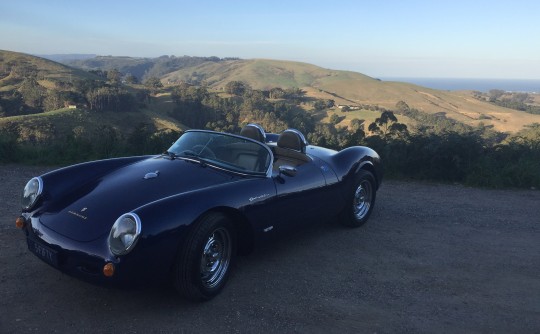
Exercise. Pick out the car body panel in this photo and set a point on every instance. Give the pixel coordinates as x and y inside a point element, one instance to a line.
<point>69,226</point>
<point>82,216</point>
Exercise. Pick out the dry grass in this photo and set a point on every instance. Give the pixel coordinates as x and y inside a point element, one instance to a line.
<point>354,88</point>
<point>343,87</point>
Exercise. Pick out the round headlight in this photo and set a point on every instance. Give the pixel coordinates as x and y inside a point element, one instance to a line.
<point>31,193</point>
<point>124,234</point>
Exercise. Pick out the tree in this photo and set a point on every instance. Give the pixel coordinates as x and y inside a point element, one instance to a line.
<point>357,133</point>
<point>387,126</point>
<point>381,124</point>
<point>154,84</point>
<point>54,100</point>
<point>402,107</point>
<point>335,119</point>
<point>276,93</point>
<point>495,94</point>
<point>99,73</point>
<point>294,93</point>
<point>114,77</point>
<point>32,92</point>
<point>142,96</point>
<point>520,97</point>
<point>110,99</point>
<point>398,130</point>
<point>237,88</point>
<point>131,79</point>
<point>323,104</point>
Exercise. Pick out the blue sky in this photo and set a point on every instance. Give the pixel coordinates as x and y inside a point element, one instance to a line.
<point>438,39</point>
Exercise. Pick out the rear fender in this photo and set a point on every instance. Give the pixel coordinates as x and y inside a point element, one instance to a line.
<point>348,162</point>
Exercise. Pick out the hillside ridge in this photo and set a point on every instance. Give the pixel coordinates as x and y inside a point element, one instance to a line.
<point>352,88</point>
<point>344,87</point>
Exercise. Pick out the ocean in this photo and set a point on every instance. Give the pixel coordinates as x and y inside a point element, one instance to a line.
<point>482,85</point>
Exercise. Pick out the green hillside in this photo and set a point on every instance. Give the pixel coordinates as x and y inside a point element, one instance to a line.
<point>53,114</point>
<point>16,67</point>
<point>142,68</point>
<point>344,87</point>
<point>353,89</point>
<point>360,92</point>
<point>35,93</point>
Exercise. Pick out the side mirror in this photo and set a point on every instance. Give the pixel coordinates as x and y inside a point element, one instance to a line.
<point>287,170</point>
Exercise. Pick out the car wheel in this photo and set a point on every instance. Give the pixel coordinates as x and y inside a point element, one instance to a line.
<point>205,259</point>
<point>361,200</point>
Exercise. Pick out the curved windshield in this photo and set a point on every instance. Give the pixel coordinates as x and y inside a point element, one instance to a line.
<point>223,150</point>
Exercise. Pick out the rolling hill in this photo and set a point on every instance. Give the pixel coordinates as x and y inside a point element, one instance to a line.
<point>36,126</point>
<point>16,67</point>
<point>351,88</point>
<point>344,87</point>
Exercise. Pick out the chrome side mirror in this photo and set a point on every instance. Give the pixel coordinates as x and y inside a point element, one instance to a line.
<point>287,170</point>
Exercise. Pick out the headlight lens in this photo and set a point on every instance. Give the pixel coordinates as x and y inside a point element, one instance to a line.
<point>31,193</point>
<point>124,234</point>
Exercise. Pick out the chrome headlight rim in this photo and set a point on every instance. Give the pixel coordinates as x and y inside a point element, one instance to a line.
<point>137,232</point>
<point>34,195</point>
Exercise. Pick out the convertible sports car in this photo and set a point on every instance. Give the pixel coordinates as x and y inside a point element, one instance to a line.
<point>185,214</point>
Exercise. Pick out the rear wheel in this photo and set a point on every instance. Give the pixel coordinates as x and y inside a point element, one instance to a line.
<point>360,201</point>
<point>203,265</point>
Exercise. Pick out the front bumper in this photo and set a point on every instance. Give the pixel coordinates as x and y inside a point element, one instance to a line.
<point>87,260</point>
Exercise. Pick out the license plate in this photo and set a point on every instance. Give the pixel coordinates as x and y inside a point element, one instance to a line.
<point>43,252</point>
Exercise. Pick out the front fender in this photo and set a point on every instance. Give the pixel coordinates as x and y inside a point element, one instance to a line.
<point>64,180</point>
<point>172,216</point>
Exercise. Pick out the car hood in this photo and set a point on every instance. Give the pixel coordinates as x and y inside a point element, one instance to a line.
<point>89,212</point>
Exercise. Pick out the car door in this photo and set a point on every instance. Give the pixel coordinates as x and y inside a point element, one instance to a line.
<point>300,199</point>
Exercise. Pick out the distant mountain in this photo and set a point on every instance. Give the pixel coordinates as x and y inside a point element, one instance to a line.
<point>65,58</point>
<point>142,68</point>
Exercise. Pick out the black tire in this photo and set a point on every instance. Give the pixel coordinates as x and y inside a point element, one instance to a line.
<point>205,259</point>
<point>360,200</point>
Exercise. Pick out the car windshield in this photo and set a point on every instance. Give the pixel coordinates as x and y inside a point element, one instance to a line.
<point>223,150</point>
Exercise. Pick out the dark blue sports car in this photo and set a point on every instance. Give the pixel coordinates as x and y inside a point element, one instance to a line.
<point>185,214</point>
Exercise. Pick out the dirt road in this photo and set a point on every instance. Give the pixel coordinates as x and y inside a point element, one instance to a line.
<point>432,258</point>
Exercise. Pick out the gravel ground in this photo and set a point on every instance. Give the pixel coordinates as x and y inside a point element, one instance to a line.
<point>432,258</point>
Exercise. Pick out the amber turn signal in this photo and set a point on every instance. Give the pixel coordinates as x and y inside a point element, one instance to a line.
<point>20,222</point>
<point>108,270</point>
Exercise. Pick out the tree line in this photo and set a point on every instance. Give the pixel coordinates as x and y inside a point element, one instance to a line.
<point>107,93</point>
<point>437,148</point>
<point>512,100</point>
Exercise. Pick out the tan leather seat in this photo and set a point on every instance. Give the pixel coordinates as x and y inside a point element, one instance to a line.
<point>291,149</point>
<point>253,131</point>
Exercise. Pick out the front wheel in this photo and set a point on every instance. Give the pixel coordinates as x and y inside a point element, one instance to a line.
<point>204,262</point>
<point>360,201</point>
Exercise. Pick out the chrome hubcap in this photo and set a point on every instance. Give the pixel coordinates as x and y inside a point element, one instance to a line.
<point>215,258</point>
<point>362,200</point>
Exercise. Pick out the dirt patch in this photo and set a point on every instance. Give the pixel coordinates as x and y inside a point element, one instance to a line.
<point>432,258</point>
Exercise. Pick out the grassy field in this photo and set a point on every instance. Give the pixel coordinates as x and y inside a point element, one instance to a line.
<point>82,122</point>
